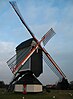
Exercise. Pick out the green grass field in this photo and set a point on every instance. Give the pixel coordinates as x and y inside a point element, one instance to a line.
<point>53,94</point>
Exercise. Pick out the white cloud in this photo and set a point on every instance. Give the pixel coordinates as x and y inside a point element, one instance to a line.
<point>6,52</point>
<point>6,48</point>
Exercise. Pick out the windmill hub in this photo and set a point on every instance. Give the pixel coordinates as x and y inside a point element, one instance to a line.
<point>33,43</point>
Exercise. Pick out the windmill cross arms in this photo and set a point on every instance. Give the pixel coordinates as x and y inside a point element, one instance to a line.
<point>45,38</point>
<point>38,43</point>
<point>54,66</point>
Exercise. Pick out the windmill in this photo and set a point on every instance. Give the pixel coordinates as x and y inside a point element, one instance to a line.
<point>29,54</point>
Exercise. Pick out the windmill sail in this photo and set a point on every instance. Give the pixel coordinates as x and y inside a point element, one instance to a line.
<point>48,36</point>
<point>15,61</point>
<point>15,7</point>
<point>52,67</point>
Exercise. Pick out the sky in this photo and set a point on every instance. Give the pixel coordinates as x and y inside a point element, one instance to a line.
<point>40,16</point>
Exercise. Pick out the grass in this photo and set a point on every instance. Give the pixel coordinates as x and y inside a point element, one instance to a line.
<point>53,94</point>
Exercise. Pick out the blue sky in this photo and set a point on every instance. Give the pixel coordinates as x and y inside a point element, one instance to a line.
<point>40,16</point>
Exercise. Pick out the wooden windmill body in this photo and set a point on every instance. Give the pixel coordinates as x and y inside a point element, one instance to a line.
<point>32,68</point>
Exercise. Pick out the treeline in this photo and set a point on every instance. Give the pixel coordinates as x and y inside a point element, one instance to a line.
<point>3,85</point>
<point>63,85</point>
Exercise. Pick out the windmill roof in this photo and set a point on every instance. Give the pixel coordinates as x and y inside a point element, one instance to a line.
<point>24,44</point>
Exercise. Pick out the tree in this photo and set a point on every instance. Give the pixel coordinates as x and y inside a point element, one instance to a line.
<point>63,84</point>
<point>71,85</point>
<point>2,84</point>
